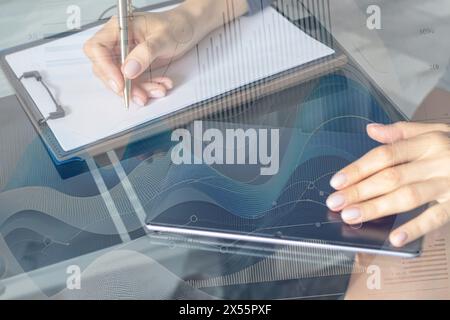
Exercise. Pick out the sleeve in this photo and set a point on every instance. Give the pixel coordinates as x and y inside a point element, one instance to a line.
<point>257,5</point>
<point>444,83</point>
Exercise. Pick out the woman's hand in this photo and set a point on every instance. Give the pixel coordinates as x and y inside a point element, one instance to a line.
<point>154,43</point>
<point>158,39</point>
<point>411,169</point>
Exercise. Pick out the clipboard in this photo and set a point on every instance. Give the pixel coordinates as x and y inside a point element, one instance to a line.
<point>291,78</point>
<point>225,102</point>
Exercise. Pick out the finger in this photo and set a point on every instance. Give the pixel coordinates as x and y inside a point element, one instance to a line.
<point>99,74</point>
<point>108,68</point>
<point>401,200</point>
<point>381,158</point>
<point>106,80</point>
<point>166,82</point>
<point>432,219</point>
<point>139,95</point>
<point>402,130</point>
<point>141,58</point>
<point>382,183</point>
<point>101,51</point>
<point>154,90</point>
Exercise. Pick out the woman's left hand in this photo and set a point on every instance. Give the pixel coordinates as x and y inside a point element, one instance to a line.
<point>410,170</point>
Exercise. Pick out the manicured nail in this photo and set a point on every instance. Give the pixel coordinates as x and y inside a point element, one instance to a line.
<point>132,69</point>
<point>168,84</point>
<point>338,181</point>
<point>157,94</point>
<point>139,101</point>
<point>399,239</point>
<point>113,85</point>
<point>375,125</point>
<point>335,201</point>
<point>351,214</point>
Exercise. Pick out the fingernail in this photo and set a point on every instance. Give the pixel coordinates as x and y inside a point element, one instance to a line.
<point>139,101</point>
<point>157,94</point>
<point>399,239</point>
<point>351,214</point>
<point>132,69</point>
<point>338,181</point>
<point>335,201</point>
<point>113,85</point>
<point>169,85</point>
<point>375,125</point>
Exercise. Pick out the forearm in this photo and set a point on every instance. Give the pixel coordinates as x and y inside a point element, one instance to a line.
<point>207,15</point>
<point>435,107</point>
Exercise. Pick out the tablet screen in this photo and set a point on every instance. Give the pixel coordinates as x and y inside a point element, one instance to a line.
<point>322,129</point>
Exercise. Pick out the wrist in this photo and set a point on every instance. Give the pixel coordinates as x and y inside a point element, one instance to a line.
<point>207,15</point>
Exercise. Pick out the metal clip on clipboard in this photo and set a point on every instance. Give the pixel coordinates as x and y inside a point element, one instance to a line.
<point>59,113</point>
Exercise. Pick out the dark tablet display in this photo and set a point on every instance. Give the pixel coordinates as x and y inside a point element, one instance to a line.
<point>322,129</point>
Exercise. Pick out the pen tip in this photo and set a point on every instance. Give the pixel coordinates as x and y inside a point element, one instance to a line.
<point>126,100</point>
<point>126,94</point>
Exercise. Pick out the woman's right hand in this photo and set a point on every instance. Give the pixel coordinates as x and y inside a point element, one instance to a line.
<point>158,38</point>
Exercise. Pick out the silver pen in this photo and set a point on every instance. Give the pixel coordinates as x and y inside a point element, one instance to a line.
<point>125,12</point>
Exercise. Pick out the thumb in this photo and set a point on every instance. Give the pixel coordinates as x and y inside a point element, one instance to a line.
<point>140,59</point>
<point>402,130</point>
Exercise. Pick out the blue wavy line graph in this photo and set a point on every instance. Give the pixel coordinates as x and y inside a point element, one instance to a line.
<point>333,136</point>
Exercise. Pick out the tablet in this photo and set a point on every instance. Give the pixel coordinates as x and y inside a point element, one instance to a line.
<point>322,129</point>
